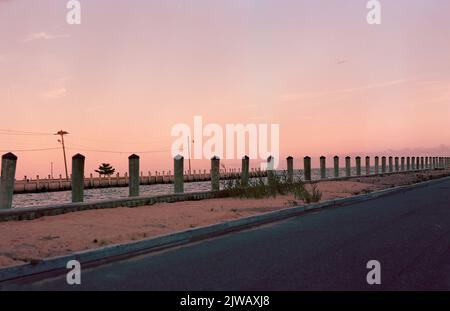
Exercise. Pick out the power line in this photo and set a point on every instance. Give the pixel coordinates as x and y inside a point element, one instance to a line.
<point>118,152</point>
<point>22,133</point>
<point>29,150</point>
<point>119,142</point>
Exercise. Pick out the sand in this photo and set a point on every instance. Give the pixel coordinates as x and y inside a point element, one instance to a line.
<point>30,241</point>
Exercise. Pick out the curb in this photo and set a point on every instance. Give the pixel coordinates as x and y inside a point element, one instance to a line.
<point>117,251</point>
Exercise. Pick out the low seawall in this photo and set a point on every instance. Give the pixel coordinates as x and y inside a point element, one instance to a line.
<point>52,185</point>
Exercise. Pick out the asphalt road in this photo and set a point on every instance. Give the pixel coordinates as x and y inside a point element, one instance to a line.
<point>408,233</point>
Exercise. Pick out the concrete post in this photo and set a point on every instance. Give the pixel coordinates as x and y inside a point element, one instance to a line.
<point>377,165</point>
<point>9,163</point>
<point>78,178</point>
<point>323,168</point>
<point>413,163</point>
<point>348,170</point>
<point>367,165</point>
<point>417,163</point>
<point>408,163</point>
<point>391,164</point>
<point>245,171</point>
<point>358,166</point>
<point>383,165</point>
<point>336,167</point>
<point>422,163</point>
<point>290,169</point>
<point>403,164</point>
<point>178,170</point>
<point>215,173</point>
<point>397,166</point>
<point>271,173</point>
<point>307,168</point>
<point>133,171</point>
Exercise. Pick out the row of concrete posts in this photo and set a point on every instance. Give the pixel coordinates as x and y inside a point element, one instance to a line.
<point>391,165</point>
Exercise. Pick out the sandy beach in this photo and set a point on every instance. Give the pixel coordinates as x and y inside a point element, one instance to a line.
<point>25,241</point>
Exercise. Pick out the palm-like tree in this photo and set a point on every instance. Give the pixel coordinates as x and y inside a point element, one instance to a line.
<point>105,169</point>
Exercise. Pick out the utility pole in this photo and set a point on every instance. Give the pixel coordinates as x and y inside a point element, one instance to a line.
<point>62,133</point>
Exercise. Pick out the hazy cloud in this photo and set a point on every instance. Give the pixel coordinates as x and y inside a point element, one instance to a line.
<point>57,93</point>
<point>298,96</point>
<point>43,36</point>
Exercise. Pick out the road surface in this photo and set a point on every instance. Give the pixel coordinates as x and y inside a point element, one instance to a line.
<point>408,233</point>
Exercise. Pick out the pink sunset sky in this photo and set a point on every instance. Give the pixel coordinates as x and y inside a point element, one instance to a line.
<point>133,69</point>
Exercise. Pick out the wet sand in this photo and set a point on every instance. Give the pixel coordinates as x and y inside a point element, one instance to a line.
<point>25,241</point>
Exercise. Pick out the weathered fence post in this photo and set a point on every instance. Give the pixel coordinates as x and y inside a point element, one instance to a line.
<point>271,173</point>
<point>383,165</point>
<point>358,166</point>
<point>133,171</point>
<point>367,165</point>
<point>377,165</point>
<point>307,168</point>
<point>215,173</point>
<point>413,163</point>
<point>336,167</point>
<point>323,168</point>
<point>391,164</point>
<point>408,163</point>
<point>78,178</point>
<point>427,163</point>
<point>422,163</point>
<point>245,171</point>
<point>417,163</point>
<point>348,168</point>
<point>178,172</point>
<point>9,163</point>
<point>403,164</point>
<point>290,169</point>
<point>397,166</point>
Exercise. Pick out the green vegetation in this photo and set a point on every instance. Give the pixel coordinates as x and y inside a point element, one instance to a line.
<point>105,169</point>
<point>258,188</point>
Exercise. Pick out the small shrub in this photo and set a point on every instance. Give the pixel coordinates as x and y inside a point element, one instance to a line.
<point>276,184</point>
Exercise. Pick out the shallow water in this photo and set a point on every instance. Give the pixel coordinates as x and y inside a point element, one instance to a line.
<point>91,195</point>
